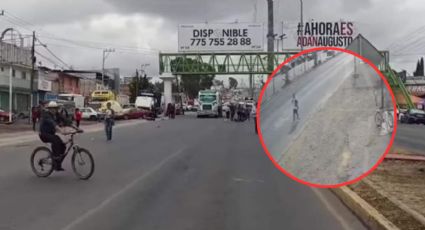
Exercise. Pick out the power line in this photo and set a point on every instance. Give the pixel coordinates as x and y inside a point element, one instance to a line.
<point>94,43</point>
<point>18,21</point>
<point>26,25</point>
<point>118,50</point>
<point>49,60</point>
<point>22,22</point>
<point>5,18</point>
<point>54,55</point>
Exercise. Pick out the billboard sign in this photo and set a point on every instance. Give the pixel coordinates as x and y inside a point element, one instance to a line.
<point>317,34</point>
<point>43,85</point>
<point>220,37</point>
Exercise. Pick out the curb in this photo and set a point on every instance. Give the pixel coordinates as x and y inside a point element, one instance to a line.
<point>411,157</point>
<point>366,213</point>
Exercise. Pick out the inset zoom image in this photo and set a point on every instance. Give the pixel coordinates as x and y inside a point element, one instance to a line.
<point>327,118</point>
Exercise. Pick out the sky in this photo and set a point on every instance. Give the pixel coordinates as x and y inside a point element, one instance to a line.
<point>76,31</point>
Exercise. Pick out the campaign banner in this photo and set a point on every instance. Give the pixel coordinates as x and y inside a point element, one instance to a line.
<point>317,34</point>
<point>220,37</point>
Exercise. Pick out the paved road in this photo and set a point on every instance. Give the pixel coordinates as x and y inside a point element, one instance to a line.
<point>410,138</point>
<point>186,173</point>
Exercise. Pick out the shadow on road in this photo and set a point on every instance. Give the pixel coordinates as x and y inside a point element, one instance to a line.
<point>293,126</point>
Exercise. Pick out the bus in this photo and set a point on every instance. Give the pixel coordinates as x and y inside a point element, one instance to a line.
<point>100,96</point>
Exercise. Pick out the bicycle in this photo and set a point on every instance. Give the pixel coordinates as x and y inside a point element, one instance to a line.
<point>387,116</point>
<point>77,159</point>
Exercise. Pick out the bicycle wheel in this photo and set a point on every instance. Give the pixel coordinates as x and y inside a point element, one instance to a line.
<point>42,162</point>
<point>82,163</point>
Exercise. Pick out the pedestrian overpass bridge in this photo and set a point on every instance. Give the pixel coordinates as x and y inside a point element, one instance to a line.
<point>172,65</point>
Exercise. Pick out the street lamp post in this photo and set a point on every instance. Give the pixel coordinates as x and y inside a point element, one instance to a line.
<point>106,52</point>
<point>10,92</point>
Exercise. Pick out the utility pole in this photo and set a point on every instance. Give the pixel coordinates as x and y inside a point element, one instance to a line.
<point>255,11</point>
<point>104,56</point>
<point>302,25</point>
<point>270,38</point>
<point>10,92</point>
<point>270,33</point>
<point>138,83</point>
<point>32,76</point>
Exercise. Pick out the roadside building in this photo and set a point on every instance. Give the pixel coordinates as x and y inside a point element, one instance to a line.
<point>46,85</point>
<point>19,58</point>
<point>109,79</point>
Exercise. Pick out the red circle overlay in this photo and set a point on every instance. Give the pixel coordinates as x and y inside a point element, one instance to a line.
<point>260,135</point>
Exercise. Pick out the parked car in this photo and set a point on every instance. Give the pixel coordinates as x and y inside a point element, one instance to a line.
<point>4,116</point>
<point>415,116</point>
<point>133,113</point>
<point>89,113</point>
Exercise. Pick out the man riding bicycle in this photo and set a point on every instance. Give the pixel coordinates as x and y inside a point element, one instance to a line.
<point>49,126</point>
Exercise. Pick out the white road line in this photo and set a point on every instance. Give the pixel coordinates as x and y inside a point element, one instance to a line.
<point>114,196</point>
<point>346,156</point>
<point>237,179</point>
<point>331,209</point>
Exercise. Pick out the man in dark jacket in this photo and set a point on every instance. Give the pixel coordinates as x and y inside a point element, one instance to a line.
<point>48,129</point>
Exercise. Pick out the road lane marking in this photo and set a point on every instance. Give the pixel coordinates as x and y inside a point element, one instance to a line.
<point>237,179</point>
<point>346,156</point>
<point>331,209</point>
<point>114,196</point>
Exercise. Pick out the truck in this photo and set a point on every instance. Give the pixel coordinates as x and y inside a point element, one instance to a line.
<point>123,99</point>
<point>150,103</point>
<point>78,99</point>
<point>210,103</point>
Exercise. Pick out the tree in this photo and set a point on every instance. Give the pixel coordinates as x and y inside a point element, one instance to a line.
<point>191,84</point>
<point>138,84</point>
<point>419,68</point>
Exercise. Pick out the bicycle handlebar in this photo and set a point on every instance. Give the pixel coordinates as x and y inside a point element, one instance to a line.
<point>76,130</point>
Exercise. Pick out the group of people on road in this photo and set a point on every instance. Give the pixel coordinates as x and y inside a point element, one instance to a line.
<point>241,112</point>
<point>238,112</point>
